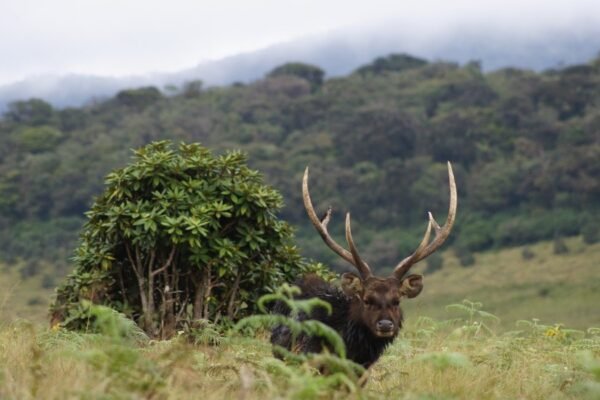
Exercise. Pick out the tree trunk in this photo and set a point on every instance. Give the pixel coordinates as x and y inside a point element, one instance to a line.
<point>208,290</point>
<point>139,274</point>
<point>149,315</point>
<point>231,308</point>
<point>169,322</point>
<point>203,287</point>
<point>199,296</point>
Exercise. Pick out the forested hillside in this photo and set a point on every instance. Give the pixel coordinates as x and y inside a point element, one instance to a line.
<point>525,148</point>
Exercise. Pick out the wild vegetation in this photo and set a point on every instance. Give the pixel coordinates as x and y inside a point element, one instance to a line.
<point>526,151</point>
<point>179,236</point>
<point>555,289</point>
<point>463,352</point>
<point>463,357</point>
<point>525,147</point>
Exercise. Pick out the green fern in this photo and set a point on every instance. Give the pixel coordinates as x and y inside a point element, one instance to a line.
<point>107,321</point>
<point>336,369</point>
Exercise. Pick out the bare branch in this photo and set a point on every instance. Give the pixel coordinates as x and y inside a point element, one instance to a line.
<point>134,266</point>
<point>167,263</point>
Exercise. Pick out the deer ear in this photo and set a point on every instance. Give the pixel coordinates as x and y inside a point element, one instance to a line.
<point>351,284</point>
<point>411,286</point>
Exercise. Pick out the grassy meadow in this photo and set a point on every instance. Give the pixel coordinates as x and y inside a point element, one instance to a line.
<point>535,335</point>
<point>554,288</point>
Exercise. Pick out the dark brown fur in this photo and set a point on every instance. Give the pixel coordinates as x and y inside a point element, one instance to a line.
<point>366,310</point>
<point>356,314</point>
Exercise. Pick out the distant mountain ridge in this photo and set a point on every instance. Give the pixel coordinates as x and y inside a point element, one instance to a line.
<point>337,54</point>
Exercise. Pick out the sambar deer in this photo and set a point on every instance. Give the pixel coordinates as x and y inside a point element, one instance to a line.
<point>366,311</point>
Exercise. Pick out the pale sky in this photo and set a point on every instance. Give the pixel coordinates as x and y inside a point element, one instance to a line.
<point>123,37</point>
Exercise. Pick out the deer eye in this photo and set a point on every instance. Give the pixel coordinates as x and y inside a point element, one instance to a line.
<point>369,302</point>
<point>396,302</point>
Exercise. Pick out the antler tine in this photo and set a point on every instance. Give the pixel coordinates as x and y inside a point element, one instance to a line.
<point>441,233</point>
<point>363,267</point>
<point>321,226</point>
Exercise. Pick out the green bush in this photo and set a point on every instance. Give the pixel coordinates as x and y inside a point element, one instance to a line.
<point>48,281</point>
<point>392,62</point>
<point>527,254</point>
<point>31,112</point>
<point>50,240</point>
<point>29,269</point>
<point>465,256</point>
<point>476,234</point>
<point>559,246</point>
<point>314,75</point>
<point>435,262</point>
<point>537,226</point>
<point>39,139</point>
<point>591,232</point>
<point>35,301</point>
<point>180,235</point>
<point>139,98</point>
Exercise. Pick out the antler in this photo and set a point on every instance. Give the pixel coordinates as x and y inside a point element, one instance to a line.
<point>351,256</point>
<point>363,267</point>
<point>441,233</point>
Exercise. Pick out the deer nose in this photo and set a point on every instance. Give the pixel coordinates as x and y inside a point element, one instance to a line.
<point>385,325</point>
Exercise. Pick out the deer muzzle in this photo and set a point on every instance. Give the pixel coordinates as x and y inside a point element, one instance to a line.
<point>385,327</point>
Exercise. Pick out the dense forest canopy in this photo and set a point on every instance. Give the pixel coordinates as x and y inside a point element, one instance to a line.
<point>525,147</point>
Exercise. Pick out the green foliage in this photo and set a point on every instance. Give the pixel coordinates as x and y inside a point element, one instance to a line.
<point>591,363</point>
<point>465,256</point>
<point>139,98</point>
<point>192,89</point>
<point>202,332</point>
<point>180,235</point>
<point>107,321</point>
<point>591,232</point>
<point>310,328</point>
<point>376,127</point>
<point>392,63</point>
<point>537,226</point>
<point>39,139</point>
<point>311,73</point>
<point>559,245</point>
<point>444,360</point>
<point>435,262</point>
<point>432,359</point>
<point>475,322</point>
<point>527,254</point>
<point>339,371</point>
<point>48,281</point>
<point>31,112</point>
<point>29,269</point>
<point>37,240</point>
<point>495,183</point>
<point>524,146</point>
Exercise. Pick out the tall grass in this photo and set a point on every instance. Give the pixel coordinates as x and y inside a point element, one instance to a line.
<point>466,357</point>
<point>517,345</point>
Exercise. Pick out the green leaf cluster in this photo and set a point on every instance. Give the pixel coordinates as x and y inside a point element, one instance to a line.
<point>524,146</point>
<point>178,235</point>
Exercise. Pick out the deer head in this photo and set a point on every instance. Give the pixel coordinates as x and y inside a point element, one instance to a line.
<point>376,300</point>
